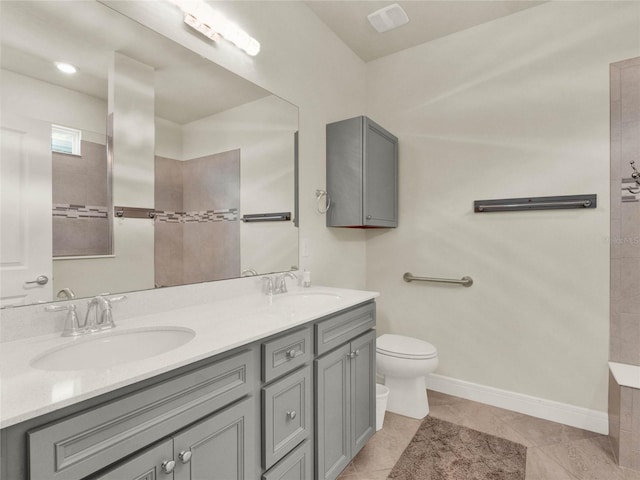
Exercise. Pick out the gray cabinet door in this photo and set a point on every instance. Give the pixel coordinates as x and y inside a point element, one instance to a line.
<point>333,400</point>
<point>346,404</point>
<point>219,447</point>
<point>362,174</point>
<point>363,390</point>
<point>144,466</point>
<point>380,177</point>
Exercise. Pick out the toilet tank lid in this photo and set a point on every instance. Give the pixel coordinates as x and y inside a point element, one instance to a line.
<point>399,344</point>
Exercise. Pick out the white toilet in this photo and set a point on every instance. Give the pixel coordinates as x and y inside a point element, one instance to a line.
<point>404,362</point>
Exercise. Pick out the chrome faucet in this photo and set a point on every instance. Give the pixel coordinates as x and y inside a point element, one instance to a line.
<point>103,318</point>
<point>280,285</point>
<point>66,294</point>
<point>249,272</point>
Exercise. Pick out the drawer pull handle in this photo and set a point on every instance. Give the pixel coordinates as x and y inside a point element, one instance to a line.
<point>168,466</point>
<point>185,456</point>
<point>292,353</point>
<point>291,415</point>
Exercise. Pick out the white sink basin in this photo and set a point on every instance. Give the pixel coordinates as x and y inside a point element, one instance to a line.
<point>102,350</point>
<point>302,299</point>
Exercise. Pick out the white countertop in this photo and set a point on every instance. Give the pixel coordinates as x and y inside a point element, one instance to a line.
<point>220,326</point>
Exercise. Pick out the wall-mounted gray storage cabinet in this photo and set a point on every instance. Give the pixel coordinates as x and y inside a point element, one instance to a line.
<point>362,174</point>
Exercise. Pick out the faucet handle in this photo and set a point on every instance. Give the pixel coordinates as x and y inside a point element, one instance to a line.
<point>119,298</point>
<point>72,324</point>
<point>106,317</point>
<point>269,283</point>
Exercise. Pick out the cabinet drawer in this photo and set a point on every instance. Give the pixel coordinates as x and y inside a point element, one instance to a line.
<point>285,354</point>
<point>295,466</point>
<point>77,446</point>
<point>286,415</point>
<point>344,327</point>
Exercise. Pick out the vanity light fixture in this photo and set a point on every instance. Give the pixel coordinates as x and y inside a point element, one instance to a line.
<point>210,23</point>
<point>66,67</point>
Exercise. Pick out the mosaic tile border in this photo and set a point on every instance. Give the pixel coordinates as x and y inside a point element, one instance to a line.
<point>228,215</point>
<point>71,210</point>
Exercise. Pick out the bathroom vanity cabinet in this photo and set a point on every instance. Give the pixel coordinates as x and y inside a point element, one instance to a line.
<point>220,443</point>
<point>362,174</point>
<point>244,414</point>
<point>345,390</point>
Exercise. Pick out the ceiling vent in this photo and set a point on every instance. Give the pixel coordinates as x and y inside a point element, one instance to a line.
<point>388,18</point>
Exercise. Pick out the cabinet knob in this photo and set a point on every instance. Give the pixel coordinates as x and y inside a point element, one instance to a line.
<point>357,352</point>
<point>369,217</point>
<point>185,456</point>
<point>291,415</point>
<point>292,353</point>
<point>168,466</point>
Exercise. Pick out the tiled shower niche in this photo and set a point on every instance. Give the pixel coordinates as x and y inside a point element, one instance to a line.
<point>197,230</point>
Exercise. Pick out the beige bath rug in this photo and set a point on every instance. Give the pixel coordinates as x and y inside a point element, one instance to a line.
<point>444,451</point>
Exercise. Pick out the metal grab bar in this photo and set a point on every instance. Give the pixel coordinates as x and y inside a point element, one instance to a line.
<point>464,281</point>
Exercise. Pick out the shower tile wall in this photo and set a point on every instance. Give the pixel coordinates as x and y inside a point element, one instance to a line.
<point>204,196</point>
<point>624,402</point>
<point>80,202</point>
<point>168,235</point>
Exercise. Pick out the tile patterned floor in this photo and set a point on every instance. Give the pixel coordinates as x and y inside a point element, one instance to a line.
<point>554,451</point>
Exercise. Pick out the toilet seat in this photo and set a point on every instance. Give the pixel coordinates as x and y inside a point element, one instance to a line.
<point>400,346</point>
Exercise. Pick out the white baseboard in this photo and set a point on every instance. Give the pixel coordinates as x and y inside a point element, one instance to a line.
<point>579,417</point>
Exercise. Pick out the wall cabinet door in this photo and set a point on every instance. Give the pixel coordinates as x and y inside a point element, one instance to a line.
<point>345,409</point>
<point>362,174</point>
<point>220,446</point>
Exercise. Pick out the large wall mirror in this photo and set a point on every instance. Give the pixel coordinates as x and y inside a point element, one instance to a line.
<point>148,167</point>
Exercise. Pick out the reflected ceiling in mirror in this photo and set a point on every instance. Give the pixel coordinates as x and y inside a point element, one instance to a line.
<point>185,139</point>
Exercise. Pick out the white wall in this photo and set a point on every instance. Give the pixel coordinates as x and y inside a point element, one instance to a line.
<point>516,107</point>
<point>33,98</point>
<point>168,139</point>
<point>303,62</point>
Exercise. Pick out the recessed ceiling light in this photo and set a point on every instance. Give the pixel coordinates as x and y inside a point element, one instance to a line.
<point>66,67</point>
